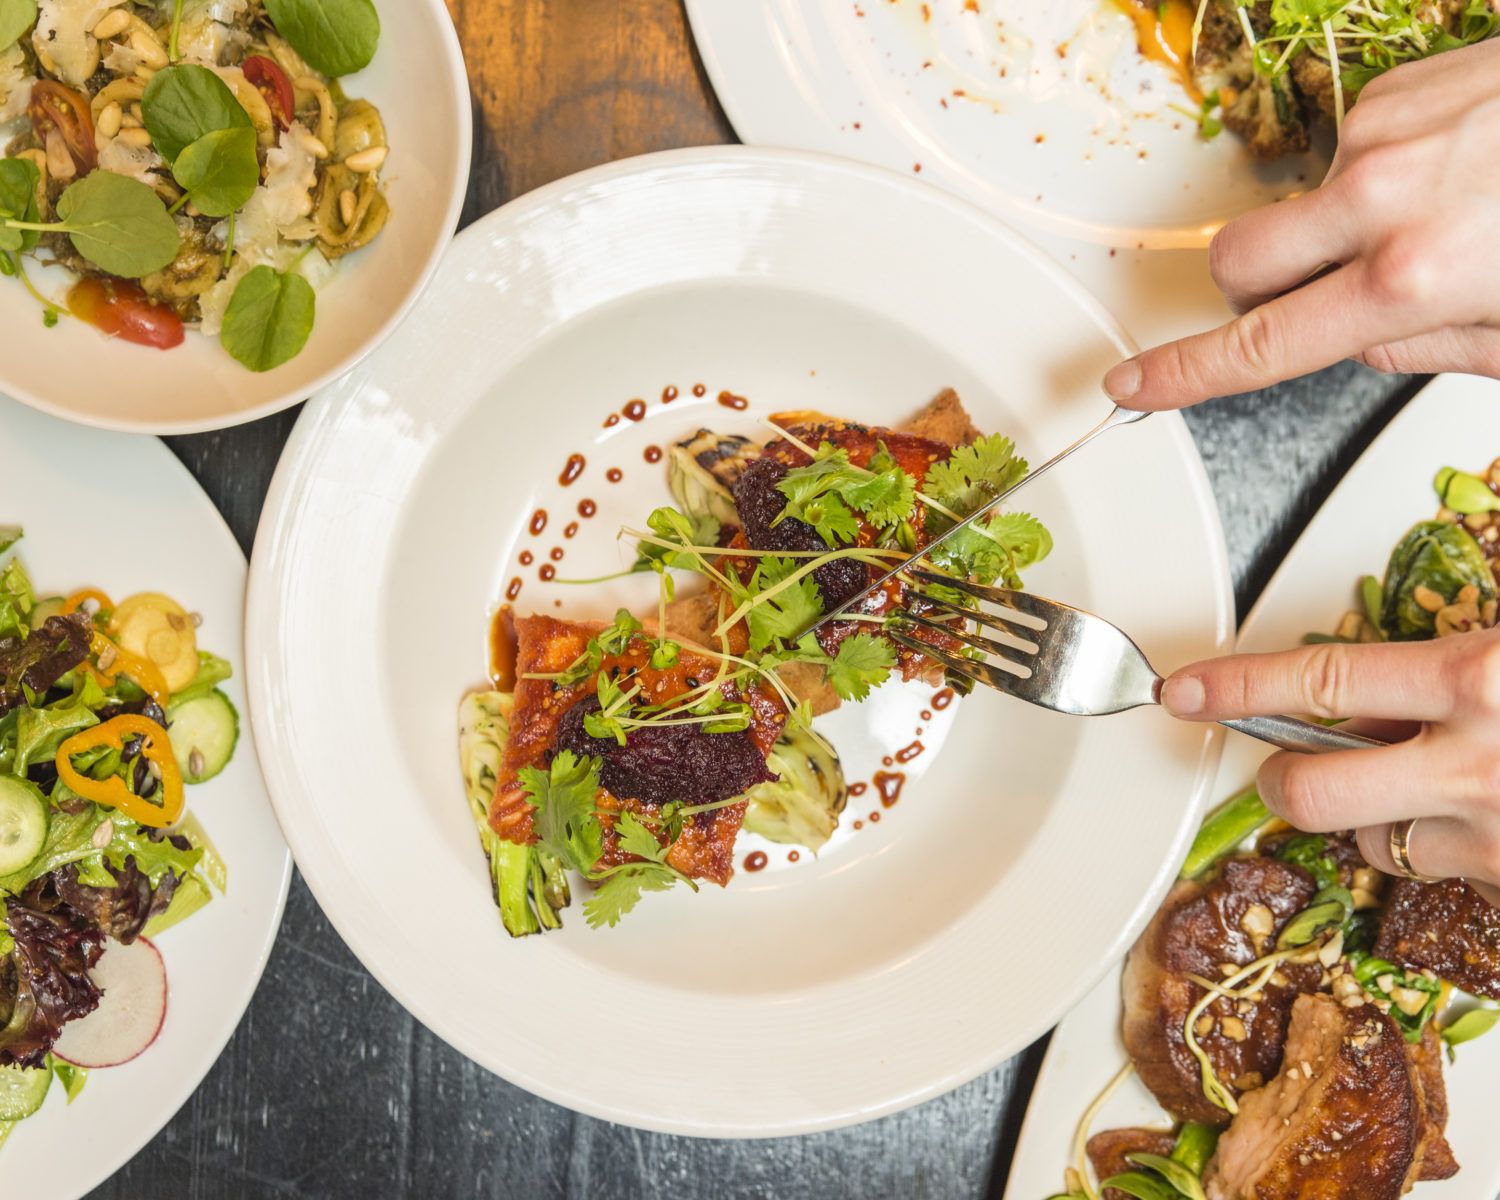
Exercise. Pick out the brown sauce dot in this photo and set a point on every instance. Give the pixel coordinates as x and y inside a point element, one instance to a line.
<point>858,825</point>
<point>503,649</point>
<point>793,855</point>
<point>874,818</point>
<point>614,474</point>
<point>669,393</point>
<point>730,400</point>
<point>513,589</point>
<point>570,529</point>
<point>556,553</point>
<point>907,753</point>
<point>755,860</point>
<point>699,390</point>
<point>652,454</point>
<point>926,714</point>
<point>889,785</point>
<point>612,420</point>
<point>943,699</point>
<point>635,410</point>
<point>887,761</point>
<point>546,572</point>
<point>587,508</point>
<point>526,558</point>
<point>858,789</point>
<point>572,469</point>
<point>538,521</point>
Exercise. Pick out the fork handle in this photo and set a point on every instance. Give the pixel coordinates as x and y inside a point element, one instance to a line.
<point>1305,737</point>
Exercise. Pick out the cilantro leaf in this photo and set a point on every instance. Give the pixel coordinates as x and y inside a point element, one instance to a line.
<point>636,838</point>
<point>699,529</point>
<point>789,611</point>
<point>975,474</point>
<point>863,661</point>
<point>565,821</point>
<point>998,548</point>
<point>886,498</point>
<point>830,516</point>
<point>620,892</point>
<point>824,492</point>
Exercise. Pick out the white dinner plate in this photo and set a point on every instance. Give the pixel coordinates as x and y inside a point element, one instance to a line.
<point>1455,421</point>
<point>1044,113</point>
<point>848,985</point>
<point>122,514</point>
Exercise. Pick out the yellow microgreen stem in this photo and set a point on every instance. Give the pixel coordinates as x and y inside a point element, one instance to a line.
<point>694,809</point>
<point>1291,48</point>
<point>739,551</point>
<point>1197,33</point>
<point>1245,24</point>
<point>1338,79</point>
<point>600,876</point>
<point>700,719</point>
<point>855,552</point>
<point>1086,1122</point>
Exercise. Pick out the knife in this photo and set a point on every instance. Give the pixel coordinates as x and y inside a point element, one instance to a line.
<point>1118,416</point>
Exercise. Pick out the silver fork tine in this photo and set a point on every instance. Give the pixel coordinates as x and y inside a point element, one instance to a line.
<point>968,639</point>
<point>1001,681</point>
<point>989,620</point>
<point>1044,611</point>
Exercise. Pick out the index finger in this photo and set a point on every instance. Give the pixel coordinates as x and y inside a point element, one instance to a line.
<point>1409,681</point>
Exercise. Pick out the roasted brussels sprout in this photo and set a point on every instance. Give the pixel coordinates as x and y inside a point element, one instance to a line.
<point>701,473</point>
<point>1429,568</point>
<point>802,807</point>
<point>531,886</point>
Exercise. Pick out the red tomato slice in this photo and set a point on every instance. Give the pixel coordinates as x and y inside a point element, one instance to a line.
<point>267,77</point>
<point>121,309</point>
<point>54,107</point>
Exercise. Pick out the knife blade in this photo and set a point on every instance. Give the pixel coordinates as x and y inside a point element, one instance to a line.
<point>1118,416</point>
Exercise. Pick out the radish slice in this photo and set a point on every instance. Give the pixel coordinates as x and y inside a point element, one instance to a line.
<point>129,1016</point>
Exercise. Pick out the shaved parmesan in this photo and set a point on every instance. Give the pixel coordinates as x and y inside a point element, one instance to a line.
<point>63,39</point>
<point>15,84</point>
<point>209,34</point>
<point>123,159</point>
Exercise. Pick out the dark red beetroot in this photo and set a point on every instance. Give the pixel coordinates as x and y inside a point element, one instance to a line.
<point>663,763</point>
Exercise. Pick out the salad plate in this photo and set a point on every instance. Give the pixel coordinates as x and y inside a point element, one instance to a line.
<point>63,486</point>
<point>1451,421</point>
<point>341,238</point>
<point>492,451</point>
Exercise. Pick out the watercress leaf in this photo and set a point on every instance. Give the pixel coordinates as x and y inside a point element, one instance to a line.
<point>9,536</point>
<point>118,224</point>
<point>338,37</point>
<point>183,103</point>
<point>220,170</point>
<point>1474,1023</point>
<point>269,318</point>
<point>16,17</point>
<point>18,183</point>
<point>862,662</point>
<point>622,891</point>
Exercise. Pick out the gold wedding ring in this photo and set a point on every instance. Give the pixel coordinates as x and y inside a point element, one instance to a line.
<point>1401,852</point>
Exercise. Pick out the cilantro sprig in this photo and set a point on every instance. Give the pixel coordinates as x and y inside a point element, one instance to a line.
<point>828,492</point>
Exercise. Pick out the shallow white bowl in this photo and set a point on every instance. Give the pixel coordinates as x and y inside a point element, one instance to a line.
<point>907,957</point>
<point>73,371</point>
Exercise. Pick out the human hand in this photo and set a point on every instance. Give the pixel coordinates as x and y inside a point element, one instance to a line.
<point>1408,215</point>
<point>1438,702</point>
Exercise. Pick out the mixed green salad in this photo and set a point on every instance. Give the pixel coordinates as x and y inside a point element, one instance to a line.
<point>107,711</point>
<point>192,162</point>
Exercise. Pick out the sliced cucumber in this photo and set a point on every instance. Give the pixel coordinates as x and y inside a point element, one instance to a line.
<point>23,825</point>
<point>52,606</point>
<point>22,1092</point>
<point>204,733</point>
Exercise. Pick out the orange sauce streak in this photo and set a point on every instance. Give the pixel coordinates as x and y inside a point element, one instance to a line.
<point>1165,35</point>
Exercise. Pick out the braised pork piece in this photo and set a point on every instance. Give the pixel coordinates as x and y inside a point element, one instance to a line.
<point>1447,928</point>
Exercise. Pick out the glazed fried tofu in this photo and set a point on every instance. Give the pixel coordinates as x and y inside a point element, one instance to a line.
<point>660,764</point>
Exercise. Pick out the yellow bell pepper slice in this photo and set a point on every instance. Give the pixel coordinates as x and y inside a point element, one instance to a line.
<point>156,748</point>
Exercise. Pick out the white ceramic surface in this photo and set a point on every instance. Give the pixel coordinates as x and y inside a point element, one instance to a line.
<point>1454,421</point>
<point>74,372</point>
<point>122,514</point>
<point>849,985</point>
<point>1043,113</point>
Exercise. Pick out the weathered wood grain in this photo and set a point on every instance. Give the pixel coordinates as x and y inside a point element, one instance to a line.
<point>329,1090</point>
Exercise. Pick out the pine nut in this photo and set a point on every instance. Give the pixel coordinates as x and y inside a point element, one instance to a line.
<point>316,147</point>
<point>367,160</point>
<point>110,117</point>
<point>1427,598</point>
<point>136,137</point>
<point>149,49</point>
<point>348,205</point>
<point>112,24</point>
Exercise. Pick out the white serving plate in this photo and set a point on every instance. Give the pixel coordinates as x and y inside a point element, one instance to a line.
<point>418,82</point>
<point>856,983</point>
<point>122,514</point>
<point>1454,421</point>
<point>1077,141</point>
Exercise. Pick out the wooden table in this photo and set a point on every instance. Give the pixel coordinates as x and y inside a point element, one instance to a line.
<point>329,1089</point>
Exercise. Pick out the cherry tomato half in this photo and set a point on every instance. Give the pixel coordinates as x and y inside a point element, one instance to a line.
<point>267,77</point>
<point>121,309</point>
<point>55,107</point>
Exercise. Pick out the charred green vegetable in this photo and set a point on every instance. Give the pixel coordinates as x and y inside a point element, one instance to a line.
<point>702,470</point>
<point>1441,557</point>
<point>531,886</point>
<point>802,807</point>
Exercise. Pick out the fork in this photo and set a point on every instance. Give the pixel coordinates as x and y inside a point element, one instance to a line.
<point>1073,662</point>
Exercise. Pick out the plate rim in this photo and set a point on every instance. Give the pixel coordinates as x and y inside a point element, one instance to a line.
<point>176,1098</point>
<point>301,835</point>
<point>458,82</point>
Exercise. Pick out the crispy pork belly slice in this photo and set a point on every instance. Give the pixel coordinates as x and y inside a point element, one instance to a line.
<point>1233,919</point>
<point>1447,928</point>
<point>1107,1152</point>
<point>546,645</point>
<point>1437,1161</point>
<point>1343,1119</point>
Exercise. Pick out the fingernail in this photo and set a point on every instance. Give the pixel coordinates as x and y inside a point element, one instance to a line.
<point>1123,380</point>
<point>1183,695</point>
